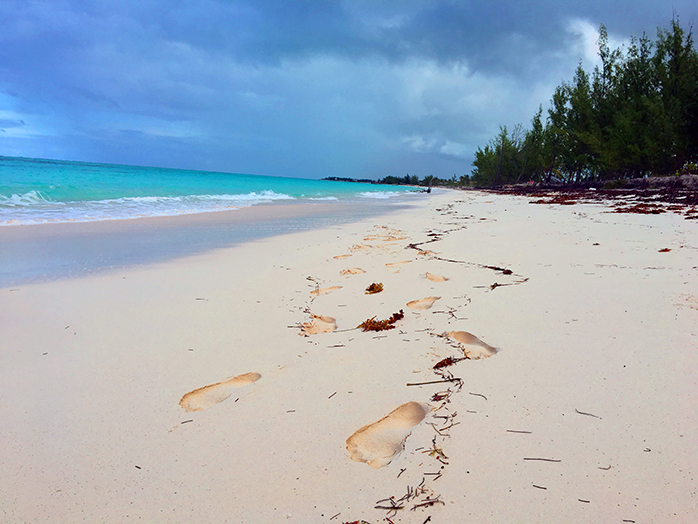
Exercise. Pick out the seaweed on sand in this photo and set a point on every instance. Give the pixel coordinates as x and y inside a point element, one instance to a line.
<point>374,288</point>
<point>381,325</point>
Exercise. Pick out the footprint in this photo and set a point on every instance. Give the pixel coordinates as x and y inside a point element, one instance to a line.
<point>395,264</point>
<point>319,324</point>
<point>213,394</point>
<point>378,443</point>
<point>324,291</point>
<point>436,278</point>
<point>351,271</point>
<point>472,347</point>
<point>424,303</point>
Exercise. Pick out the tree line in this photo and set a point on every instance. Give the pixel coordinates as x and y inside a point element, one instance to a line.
<point>635,115</point>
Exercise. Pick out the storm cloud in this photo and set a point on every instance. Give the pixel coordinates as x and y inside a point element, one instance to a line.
<point>292,88</point>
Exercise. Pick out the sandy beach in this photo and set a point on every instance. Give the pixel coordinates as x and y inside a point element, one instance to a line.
<point>233,386</point>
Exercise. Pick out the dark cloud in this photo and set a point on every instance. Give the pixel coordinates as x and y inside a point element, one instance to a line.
<point>307,88</point>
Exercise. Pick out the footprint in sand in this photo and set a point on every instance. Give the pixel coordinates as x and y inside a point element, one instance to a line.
<point>435,278</point>
<point>213,394</point>
<point>396,264</point>
<point>378,443</point>
<point>392,238</point>
<point>351,271</point>
<point>319,324</point>
<point>473,348</point>
<point>324,291</point>
<point>424,303</point>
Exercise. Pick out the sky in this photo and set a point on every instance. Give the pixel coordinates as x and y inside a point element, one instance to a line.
<point>355,88</point>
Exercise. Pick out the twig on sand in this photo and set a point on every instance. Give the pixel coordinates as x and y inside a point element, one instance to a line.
<point>478,395</point>
<point>587,414</point>
<point>497,284</point>
<point>518,431</point>
<point>435,451</point>
<point>539,487</point>
<point>335,516</point>
<point>429,502</point>
<point>455,379</point>
<point>342,330</point>
<point>543,459</point>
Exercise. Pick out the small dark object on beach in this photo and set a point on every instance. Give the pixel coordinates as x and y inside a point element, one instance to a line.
<point>665,250</point>
<point>374,288</point>
<point>448,361</point>
<point>381,325</point>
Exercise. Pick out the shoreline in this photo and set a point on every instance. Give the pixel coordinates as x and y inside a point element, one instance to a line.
<point>40,252</point>
<point>581,408</point>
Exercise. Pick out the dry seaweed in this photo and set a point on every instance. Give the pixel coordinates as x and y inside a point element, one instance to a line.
<point>448,361</point>
<point>640,209</point>
<point>374,288</point>
<point>381,325</point>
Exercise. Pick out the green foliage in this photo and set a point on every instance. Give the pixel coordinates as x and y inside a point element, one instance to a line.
<point>427,181</point>
<point>635,115</point>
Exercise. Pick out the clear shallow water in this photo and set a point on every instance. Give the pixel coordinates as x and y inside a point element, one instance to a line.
<point>75,206</point>
<point>37,191</point>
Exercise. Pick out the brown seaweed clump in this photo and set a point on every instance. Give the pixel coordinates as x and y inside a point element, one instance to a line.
<point>448,361</point>
<point>374,288</point>
<point>381,325</point>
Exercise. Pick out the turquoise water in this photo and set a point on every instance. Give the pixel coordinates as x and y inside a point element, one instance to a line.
<point>36,191</point>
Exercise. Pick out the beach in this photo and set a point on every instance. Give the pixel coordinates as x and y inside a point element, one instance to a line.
<point>232,385</point>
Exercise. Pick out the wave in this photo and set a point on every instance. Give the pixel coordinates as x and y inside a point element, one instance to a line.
<point>380,194</point>
<point>30,198</point>
<point>35,208</point>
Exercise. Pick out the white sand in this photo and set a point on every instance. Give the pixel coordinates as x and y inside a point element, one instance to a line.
<point>597,370</point>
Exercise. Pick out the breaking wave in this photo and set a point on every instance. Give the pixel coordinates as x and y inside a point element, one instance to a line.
<point>34,208</point>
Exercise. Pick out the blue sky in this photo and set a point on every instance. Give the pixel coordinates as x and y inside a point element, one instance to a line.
<point>292,88</point>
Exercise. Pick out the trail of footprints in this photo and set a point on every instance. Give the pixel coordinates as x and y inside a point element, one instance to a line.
<point>377,443</point>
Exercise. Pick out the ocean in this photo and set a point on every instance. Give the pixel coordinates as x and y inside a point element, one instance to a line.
<point>61,219</point>
<point>38,191</point>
